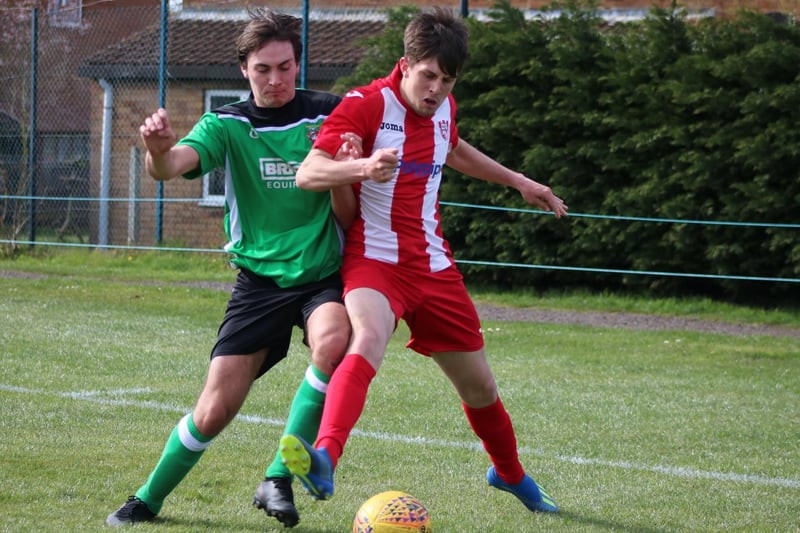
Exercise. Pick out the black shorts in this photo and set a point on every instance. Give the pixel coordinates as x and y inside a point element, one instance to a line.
<point>261,315</point>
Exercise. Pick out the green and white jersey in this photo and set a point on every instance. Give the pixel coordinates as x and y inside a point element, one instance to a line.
<point>274,228</point>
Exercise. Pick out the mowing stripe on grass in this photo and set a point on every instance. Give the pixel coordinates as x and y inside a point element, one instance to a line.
<point>101,397</point>
<point>680,471</point>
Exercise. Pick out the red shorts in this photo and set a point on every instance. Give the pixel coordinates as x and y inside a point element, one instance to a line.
<point>435,305</point>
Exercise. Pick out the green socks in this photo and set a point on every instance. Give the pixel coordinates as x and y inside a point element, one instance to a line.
<point>186,444</point>
<point>304,415</point>
<point>181,452</point>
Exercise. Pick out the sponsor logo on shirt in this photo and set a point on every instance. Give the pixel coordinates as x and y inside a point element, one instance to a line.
<point>277,173</point>
<point>419,169</point>
<point>391,127</point>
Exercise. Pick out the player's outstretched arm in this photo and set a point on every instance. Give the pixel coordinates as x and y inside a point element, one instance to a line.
<point>165,159</point>
<point>470,161</point>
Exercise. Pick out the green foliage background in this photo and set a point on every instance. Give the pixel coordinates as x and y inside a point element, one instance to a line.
<point>664,118</point>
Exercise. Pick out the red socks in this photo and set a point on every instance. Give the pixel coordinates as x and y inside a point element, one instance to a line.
<point>493,426</point>
<point>347,394</point>
<point>344,402</point>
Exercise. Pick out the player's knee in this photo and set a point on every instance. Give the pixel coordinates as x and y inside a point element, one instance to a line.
<point>334,337</point>
<point>479,393</point>
<point>326,361</point>
<point>213,419</point>
<point>327,355</point>
<point>339,338</point>
<point>369,340</point>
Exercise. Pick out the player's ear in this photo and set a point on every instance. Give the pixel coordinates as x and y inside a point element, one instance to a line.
<point>404,66</point>
<point>243,68</point>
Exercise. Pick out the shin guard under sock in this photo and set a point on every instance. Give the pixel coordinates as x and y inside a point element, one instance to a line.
<point>347,394</point>
<point>493,426</point>
<point>304,415</point>
<point>183,449</point>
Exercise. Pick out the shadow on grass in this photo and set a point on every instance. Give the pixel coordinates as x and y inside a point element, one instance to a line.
<point>607,524</point>
<point>207,524</point>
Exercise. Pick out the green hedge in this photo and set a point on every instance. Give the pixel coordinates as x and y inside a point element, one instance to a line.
<point>663,118</point>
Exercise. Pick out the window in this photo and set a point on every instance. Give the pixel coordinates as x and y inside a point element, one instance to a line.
<point>214,182</point>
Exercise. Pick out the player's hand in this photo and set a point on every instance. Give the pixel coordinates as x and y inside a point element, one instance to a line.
<point>381,165</point>
<point>351,148</point>
<point>542,196</point>
<point>157,134</point>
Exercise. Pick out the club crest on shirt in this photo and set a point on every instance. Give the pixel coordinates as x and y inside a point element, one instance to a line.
<point>312,132</point>
<point>444,128</point>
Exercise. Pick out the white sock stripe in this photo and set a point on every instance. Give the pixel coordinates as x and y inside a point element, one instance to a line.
<point>187,439</point>
<point>315,382</point>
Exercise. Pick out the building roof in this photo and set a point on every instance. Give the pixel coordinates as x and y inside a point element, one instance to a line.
<point>205,49</point>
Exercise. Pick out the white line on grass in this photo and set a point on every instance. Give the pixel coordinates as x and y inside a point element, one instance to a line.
<point>101,397</point>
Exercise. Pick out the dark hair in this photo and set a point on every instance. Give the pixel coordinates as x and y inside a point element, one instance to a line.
<point>265,25</point>
<point>438,33</point>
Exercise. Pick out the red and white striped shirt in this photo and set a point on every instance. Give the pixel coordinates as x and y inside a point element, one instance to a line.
<point>398,221</point>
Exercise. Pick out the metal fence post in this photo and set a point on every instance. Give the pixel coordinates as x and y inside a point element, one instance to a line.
<point>105,162</point>
<point>162,98</point>
<point>304,59</point>
<point>32,131</point>
<point>134,185</point>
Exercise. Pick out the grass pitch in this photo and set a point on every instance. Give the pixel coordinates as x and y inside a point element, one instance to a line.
<point>628,431</point>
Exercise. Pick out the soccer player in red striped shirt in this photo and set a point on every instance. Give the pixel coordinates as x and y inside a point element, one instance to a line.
<point>397,264</point>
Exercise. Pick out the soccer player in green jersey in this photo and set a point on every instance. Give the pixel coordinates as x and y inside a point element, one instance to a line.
<point>285,242</point>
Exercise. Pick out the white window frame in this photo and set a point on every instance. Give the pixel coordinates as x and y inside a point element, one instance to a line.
<point>217,200</point>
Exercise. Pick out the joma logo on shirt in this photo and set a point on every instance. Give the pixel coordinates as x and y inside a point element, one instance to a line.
<point>391,127</point>
<point>277,173</point>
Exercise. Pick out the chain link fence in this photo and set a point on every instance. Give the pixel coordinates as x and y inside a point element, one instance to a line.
<point>46,137</point>
<point>77,83</point>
